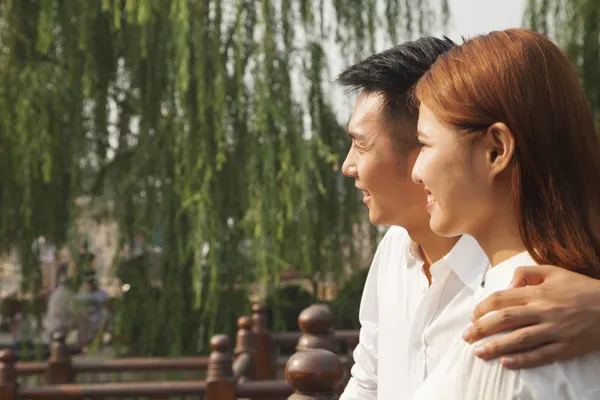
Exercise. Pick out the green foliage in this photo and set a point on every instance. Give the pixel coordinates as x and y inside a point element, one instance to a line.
<point>285,303</point>
<point>346,303</point>
<point>208,121</point>
<point>575,25</point>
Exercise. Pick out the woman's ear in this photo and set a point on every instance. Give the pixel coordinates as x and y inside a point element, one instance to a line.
<point>500,148</point>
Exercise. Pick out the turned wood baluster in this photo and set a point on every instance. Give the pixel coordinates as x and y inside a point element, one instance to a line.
<point>60,369</point>
<point>245,345</point>
<point>8,375</point>
<point>314,375</point>
<point>264,365</point>
<point>316,324</point>
<point>220,384</point>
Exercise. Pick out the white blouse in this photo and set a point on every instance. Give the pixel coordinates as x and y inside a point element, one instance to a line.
<point>462,376</point>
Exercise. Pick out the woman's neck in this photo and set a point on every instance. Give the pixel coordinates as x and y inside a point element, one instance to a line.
<point>501,240</point>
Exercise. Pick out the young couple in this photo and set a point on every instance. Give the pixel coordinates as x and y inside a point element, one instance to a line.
<point>484,158</point>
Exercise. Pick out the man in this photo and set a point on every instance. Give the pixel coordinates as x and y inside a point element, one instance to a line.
<point>419,293</point>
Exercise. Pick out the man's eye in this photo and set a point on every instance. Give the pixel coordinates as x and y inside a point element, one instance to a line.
<point>358,146</point>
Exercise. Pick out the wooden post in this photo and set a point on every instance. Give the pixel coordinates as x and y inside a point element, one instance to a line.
<point>316,324</point>
<point>265,355</point>
<point>8,375</point>
<point>314,375</point>
<point>219,379</point>
<point>59,370</point>
<point>244,344</point>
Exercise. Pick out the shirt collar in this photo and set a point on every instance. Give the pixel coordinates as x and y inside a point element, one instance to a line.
<point>468,261</point>
<point>499,277</point>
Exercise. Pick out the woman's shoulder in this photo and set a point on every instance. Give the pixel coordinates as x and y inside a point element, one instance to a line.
<point>462,375</point>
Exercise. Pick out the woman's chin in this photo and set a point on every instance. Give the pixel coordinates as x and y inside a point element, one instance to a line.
<point>441,226</point>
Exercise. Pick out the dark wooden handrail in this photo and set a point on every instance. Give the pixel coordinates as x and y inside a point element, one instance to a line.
<point>264,389</point>
<point>120,365</point>
<point>291,338</point>
<point>120,389</point>
<point>31,368</point>
<point>141,364</point>
<point>285,338</point>
<point>350,337</point>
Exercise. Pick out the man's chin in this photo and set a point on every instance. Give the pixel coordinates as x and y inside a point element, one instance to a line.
<point>377,219</point>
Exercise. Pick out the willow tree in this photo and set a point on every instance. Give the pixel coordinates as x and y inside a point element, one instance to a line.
<point>575,25</point>
<point>209,121</point>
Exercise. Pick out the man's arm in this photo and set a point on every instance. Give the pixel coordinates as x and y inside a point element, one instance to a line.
<point>555,315</point>
<point>363,383</point>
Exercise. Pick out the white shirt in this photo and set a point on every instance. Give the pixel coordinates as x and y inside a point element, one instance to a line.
<point>47,253</point>
<point>406,327</point>
<point>462,376</point>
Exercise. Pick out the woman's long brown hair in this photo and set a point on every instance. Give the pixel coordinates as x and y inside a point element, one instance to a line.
<point>522,79</point>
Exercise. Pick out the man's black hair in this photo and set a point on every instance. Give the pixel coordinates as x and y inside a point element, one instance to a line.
<point>392,74</point>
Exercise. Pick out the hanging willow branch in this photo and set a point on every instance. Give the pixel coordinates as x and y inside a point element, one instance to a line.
<point>576,27</point>
<point>206,124</point>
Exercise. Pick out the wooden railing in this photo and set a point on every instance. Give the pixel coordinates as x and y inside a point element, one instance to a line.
<point>249,371</point>
<point>312,374</point>
<point>316,331</point>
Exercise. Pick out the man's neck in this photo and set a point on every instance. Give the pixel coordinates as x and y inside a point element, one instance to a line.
<point>432,248</point>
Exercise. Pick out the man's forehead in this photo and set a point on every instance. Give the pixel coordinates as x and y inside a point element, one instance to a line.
<point>361,125</point>
<point>372,100</point>
<point>367,110</point>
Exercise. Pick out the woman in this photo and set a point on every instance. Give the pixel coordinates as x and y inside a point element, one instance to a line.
<point>510,156</point>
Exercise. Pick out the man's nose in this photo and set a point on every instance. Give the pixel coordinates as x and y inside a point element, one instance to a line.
<point>349,169</point>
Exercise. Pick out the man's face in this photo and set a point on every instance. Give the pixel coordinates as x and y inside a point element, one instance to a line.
<point>381,173</point>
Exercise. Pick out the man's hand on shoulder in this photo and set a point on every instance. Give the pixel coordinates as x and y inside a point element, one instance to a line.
<point>554,315</point>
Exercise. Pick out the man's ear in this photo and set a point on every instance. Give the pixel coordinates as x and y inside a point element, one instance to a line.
<point>499,145</point>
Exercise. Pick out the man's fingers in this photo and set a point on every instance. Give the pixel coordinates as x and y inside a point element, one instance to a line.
<point>541,356</point>
<point>502,299</point>
<point>500,321</point>
<point>521,340</point>
<point>532,275</point>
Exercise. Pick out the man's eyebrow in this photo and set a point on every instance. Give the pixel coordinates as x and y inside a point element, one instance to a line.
<point>420,133</point>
